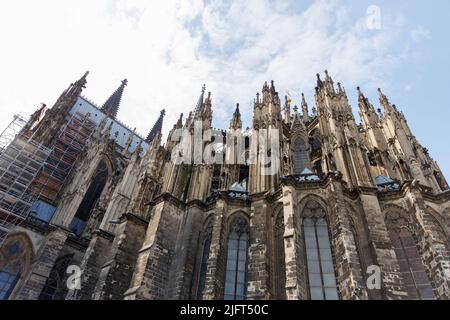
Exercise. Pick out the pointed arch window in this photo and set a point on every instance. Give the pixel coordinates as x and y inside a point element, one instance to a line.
<point>206,246</point>
<point>8,280</point>
<point>15,258</point>
<point>90,199</point>
<point>411,265</point>
<point>236,272</point>
<point>55,287</point>
<point>321,275</point>
<point>300,156</point>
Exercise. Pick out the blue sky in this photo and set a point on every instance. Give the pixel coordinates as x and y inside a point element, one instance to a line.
<point>168,49</point>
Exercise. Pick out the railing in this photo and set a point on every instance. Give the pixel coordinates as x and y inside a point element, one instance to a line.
<point>213,197</point>
<point>240,195</point>
<point>308,178</point>
<point>39,223</point>
<point>389,186</point>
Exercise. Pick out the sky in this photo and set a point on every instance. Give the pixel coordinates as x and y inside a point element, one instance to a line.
<point>168,49</point>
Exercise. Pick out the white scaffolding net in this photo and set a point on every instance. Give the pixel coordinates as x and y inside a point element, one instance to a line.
<point>21,159</point>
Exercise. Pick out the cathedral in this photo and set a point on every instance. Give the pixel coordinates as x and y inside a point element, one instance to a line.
<point>92,210</point>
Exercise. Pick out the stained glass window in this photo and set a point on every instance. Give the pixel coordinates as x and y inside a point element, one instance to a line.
<point>8,280</point>
<point>300,156</point>
<point>322,280</point>
<point>236,272</point>
<point>413,271</point>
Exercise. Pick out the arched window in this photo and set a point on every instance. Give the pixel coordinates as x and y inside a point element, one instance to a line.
<point>411,265</point>
<point>316,148</point>
<point>206,245</point>
<point>15,258</point>
<point>321,275</point>
<point>236,273</point>
<point>55,287</point>
<point>300,156</point>
<point>280,263</point>
<point>90,198</point>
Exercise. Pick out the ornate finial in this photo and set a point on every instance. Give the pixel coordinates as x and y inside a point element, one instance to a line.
<point>304,100</point>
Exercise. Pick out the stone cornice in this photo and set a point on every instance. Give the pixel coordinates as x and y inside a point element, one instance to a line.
<point>104,234</point>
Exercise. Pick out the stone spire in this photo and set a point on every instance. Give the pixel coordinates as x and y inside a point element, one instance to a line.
<point>236,122</point>
<point>385,102</point>
<point>157,128</point>
<point>199,106</point>
<point>364,104</point>
<point>111,106</point>
<point>305,110</point>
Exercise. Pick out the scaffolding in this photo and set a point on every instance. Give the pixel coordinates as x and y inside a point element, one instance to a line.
<point>65,151</point>
<point>21,159</point>
<point>30,171</point>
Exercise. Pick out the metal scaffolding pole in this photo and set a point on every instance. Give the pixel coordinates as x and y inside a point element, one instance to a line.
<point>30,171</point>
<point>21,159</point>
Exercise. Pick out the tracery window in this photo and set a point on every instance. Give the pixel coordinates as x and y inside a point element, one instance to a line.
<point>411,265</point>
<point>15,258</point>
<point>90,199</point>
<point>206,246</point>
<point>236,272</point>
<point>55,287</point>
<point>300,156</point>
<point>321,275</point>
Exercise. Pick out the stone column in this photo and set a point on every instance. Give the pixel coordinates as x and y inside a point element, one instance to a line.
<point>215,274</point>
<point>185,258</point>
<point>115,275</point>
<point>91,264</point>
<point>258,259</point>
<point>349,272</point>
<point>384,254</point>
<point>151,275</point>
<point>434,251</point>
<point>295,263</point>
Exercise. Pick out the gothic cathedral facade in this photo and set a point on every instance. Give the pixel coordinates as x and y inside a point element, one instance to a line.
<point>353,211</point>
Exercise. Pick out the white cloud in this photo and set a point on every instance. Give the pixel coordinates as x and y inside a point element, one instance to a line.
<point>167,50</point>
<point>420,33</point>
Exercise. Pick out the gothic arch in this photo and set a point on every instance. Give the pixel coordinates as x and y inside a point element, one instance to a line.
<point>439,223</point>
<point>312,197</point>
<point>410,247</point>
<point>201,265</point>
<point>108,161</point>
<point>236,214</point>
<point>55,288</point>
<point>315,249</point>
<point>236,256</point>
<point>97,183</point>
<point>16,257</point>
